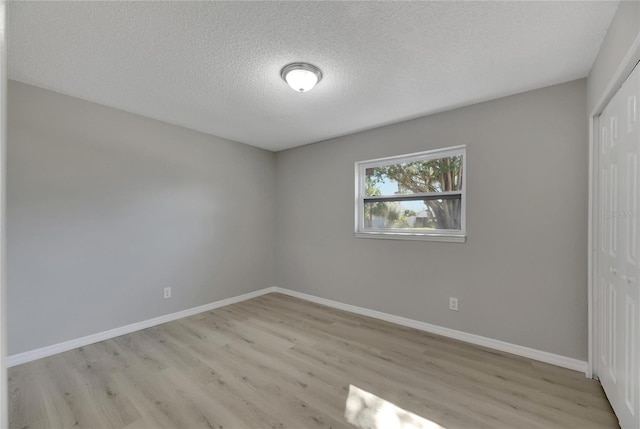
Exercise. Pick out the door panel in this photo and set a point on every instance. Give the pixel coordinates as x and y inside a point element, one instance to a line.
<point>613,209</point>
<point>617,318</point>
<point>631,342</point>
<point>632,207</point>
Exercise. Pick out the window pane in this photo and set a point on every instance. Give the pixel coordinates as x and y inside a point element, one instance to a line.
<point>433,175</point>
<point>413,215</point>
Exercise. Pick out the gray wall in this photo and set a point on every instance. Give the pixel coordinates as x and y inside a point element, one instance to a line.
<point>624,29</point>
<point>106,208</point>
<point>521,276</point>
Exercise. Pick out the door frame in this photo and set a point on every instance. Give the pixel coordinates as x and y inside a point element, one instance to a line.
<point>4,415</point>
<point>617,79</point>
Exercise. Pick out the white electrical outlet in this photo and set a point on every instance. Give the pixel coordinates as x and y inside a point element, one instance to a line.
<point>453,304</point>
<point>167,292</point>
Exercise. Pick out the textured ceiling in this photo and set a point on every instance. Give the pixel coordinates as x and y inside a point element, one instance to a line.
<point>214,66</point>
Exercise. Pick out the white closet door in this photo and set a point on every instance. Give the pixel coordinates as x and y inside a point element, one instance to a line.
<point>607,255</point>
<point>618,289</point>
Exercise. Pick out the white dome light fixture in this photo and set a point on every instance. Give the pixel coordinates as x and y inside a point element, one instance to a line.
<point>301,77</point>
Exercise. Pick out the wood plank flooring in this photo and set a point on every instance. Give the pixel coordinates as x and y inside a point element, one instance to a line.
<point>279,362</point>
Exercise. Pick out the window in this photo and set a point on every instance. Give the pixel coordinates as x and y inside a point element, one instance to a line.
<point>419,196</point>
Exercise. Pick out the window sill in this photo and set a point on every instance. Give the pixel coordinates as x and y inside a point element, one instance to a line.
<point>444,238</point>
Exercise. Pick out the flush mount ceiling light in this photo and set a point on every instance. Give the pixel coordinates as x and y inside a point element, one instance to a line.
<point>301,76</point>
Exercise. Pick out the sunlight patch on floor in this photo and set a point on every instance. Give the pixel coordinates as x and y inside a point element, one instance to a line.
<point>367,411</point>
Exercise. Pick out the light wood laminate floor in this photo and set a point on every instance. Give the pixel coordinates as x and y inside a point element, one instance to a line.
<point>279,362</point>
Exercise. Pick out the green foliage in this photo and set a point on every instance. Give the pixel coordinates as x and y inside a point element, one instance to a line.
<point>371,182</point>
<point>375,209</point>
<point>436,175</point>
<point>394,214</point>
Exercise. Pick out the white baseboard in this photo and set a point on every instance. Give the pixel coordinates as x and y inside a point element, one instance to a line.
<point>552,358</point>
<point>42,352</point>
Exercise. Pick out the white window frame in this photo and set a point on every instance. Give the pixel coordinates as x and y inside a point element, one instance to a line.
<point>443,235</point>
